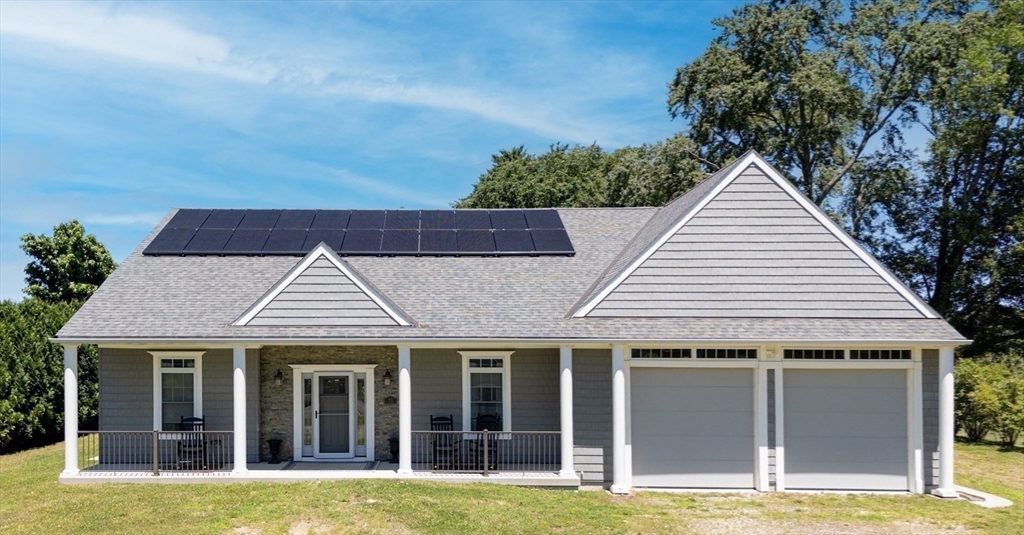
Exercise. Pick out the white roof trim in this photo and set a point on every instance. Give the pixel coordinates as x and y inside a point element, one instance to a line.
<point>753,158</point>
<point>322,251</point>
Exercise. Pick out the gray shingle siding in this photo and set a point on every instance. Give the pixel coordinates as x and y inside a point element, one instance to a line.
<point>126,392</point>
<point>930,415</point>
<point>436,386</point>
<point>322,295</point>
<point>754,251</point>
<point>592,414</point>
<point>535,390</point>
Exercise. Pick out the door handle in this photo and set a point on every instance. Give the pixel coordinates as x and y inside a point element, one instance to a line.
<point>316,414</point>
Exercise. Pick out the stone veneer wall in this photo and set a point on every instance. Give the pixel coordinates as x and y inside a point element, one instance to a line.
<point>276,402</point>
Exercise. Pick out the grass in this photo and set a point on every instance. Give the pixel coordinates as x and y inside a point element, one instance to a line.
<point>31,501</point>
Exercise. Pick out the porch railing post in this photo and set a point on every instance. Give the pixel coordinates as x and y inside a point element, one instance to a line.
<point>487,448</point>
<point>156,452</point>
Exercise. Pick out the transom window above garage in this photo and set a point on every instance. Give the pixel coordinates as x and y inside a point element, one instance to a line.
<point>687,352</point>
<point>844,354</point>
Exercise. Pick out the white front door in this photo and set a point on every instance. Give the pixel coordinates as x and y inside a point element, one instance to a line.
<point>334,411</point>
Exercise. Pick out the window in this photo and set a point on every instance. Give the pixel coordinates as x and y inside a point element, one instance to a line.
<point>880,354</point>
<point>661,353</point>
<point>813,354</point>
<point>177,388</point>
<point>486,381</point>
<point>727,353</point>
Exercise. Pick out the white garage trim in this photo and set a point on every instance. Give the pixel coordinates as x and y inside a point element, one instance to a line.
<point>780,432</point>
<point>761,429</point>
<point>693,363</point>
<point>849,364</point>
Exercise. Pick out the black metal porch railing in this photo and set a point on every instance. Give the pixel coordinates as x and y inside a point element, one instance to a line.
<point>486,451</point>
<point>155,451</point>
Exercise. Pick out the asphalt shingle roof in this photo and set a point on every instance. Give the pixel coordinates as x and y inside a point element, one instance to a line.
<point>473,298</point>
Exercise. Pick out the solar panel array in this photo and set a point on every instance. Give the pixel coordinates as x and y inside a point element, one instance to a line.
<point>364,232</point>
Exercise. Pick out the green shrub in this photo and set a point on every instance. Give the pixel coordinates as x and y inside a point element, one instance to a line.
<point>32,375</point>
<point>990,397</point>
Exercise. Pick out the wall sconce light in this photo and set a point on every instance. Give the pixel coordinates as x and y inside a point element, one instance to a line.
<point>278,378</point>
<point>387,377</point>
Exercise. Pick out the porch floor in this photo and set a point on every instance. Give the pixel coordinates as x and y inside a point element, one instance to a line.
<point>314,471</point>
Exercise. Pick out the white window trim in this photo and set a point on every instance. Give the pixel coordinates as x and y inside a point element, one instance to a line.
<point>506,385</point>
<point>197,382</point>
<point>297,371</point>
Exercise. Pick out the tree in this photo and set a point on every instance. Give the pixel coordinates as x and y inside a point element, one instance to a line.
<point>67,267</point>
<point>958,231</point>
<point>32,375</point>
<point>816,89</point>
<point>563,176</point>
<point>653,175</point>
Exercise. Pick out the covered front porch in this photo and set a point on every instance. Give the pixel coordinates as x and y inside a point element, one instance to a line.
<point>326,412</point>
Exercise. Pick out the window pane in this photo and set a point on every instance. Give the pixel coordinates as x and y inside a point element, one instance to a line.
<point>307,411</point>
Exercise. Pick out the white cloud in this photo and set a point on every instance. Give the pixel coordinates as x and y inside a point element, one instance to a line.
<point>123,33</point>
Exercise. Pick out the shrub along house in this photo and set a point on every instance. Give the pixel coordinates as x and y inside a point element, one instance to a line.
<point>735,338</point>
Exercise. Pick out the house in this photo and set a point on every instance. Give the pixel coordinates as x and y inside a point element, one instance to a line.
<point>735,338</point>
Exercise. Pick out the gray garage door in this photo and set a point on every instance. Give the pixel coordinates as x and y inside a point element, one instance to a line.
<point>845,429</point>
<point>692,428</point>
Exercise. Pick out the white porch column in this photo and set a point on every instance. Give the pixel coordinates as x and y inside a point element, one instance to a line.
<point>946,489</point>
<point>565,391</point>
<point>71,409</point>
<point>238,385</point>
<point>620,483</point>
<point>404,412</point>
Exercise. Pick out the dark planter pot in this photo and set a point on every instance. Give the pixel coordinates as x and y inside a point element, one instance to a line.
<point>393,443</point>
<point>275,450</point>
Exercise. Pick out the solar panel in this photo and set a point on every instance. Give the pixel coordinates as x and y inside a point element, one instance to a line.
<point>437,219</point>
<point>363,232</point>
<point>208,241</point>
<point>472,219</point>
<point>552,240</point>
<point>513,241</point>
<point>402,219</point>
<point>508,219</point>
<point>367,219</point>
<point>170,241</point>
<point>475,241</point>
<point>330,219</point>
<point>438,241</point>
<point>332,237</point>
<point>285,241</point>
<point>400,241</point>
<point>260,219</point>
<point>362,241</point>
<point>224,219</point>
<point>297,219</point>
<point>543,218</point>
<point>188,218</point>
<point>247,241</point>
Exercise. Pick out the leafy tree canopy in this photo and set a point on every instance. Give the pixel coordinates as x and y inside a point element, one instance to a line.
<point>67,267</point>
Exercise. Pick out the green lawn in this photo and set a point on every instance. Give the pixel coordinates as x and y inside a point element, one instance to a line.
<point>31,501</point>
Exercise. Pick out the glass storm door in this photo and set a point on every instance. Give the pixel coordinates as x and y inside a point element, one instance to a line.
<point>334,408</point>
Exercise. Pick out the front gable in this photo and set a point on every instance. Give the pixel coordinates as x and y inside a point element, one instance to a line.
<point>322,289</point>
<point>755,247</point>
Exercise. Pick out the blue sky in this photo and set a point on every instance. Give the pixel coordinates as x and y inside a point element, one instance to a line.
<point>115,113</point>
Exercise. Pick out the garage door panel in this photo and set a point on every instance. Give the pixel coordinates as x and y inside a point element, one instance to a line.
<point>676,379</point>
<point>855,425</point>
<point>866,476</point>
<point>715,475</point>
<point>710,423</point>
<point>692,428</point>
<point>882,450</point>
<point>845,429</point>
<point>838,400</point>
<point>697,448</point>
<point>849,379</point>
<point>726,399</point>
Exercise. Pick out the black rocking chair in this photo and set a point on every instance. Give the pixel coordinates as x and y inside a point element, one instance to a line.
<point>492,424</point>
<point>191,445</point>
<point>445,443</point>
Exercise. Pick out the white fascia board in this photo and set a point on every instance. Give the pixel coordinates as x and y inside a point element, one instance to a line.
<point>321,251</point>
<point>823,218</point>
